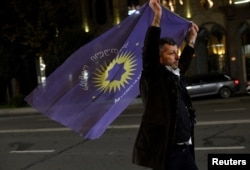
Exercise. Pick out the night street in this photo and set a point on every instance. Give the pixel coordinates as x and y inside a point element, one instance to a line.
<point>34,142</point>
<point>81,63</point>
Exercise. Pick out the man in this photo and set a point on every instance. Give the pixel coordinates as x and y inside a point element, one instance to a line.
<point>165,138</point>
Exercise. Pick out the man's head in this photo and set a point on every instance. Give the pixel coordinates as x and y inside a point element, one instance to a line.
<point>169,52</point>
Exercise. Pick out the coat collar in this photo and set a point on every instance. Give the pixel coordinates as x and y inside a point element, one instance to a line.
<point>174,71</point>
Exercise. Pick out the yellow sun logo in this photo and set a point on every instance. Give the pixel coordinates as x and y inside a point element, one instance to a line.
<point>115,75</point>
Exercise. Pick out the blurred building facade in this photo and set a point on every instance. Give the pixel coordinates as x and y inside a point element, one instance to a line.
<point>223,43</point>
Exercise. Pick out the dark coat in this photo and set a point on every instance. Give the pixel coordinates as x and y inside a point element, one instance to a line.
<point>158,89</point>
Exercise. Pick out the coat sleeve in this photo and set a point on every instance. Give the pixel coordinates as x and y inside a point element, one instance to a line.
<point>185,59</point>
<point>150,51</point>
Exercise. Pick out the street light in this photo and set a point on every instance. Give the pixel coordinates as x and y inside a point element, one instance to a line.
<point>237,2</point>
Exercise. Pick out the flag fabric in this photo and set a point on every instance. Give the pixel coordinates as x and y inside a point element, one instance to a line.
<point>99,80</point>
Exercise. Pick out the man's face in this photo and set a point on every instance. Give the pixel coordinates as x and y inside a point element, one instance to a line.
<point>169,56</point>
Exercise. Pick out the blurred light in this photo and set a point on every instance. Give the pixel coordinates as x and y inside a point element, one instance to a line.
<point>171,6</point>
<point>211,3</point>
<point>133,5</point>
<point>164,3</point>
<point>85,21</point>
<point>207,4</point>
<point>117,20</point>
<point>42,67</point>
<point>233,58</point>
<point>188,9</point>
<point>130,12</point>
<point>236,82</point>
<point>86,28</point>
<point>57,32</point>
<point>117,17</point>
<point>218,49</point>
<point>188,15</point>
<point>236,2</point>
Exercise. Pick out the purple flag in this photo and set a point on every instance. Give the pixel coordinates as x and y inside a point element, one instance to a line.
<point>98,81</point>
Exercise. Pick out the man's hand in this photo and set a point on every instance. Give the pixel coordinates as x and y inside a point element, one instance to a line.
<point>156,7</point>
<point>193,31</point>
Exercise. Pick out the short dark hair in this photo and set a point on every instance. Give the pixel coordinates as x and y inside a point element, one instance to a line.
<point>167,40</point>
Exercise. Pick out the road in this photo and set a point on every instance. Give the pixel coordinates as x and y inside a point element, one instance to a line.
<point>35,142</point>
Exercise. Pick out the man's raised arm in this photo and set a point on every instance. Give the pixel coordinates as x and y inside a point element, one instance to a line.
<point>156,7</point>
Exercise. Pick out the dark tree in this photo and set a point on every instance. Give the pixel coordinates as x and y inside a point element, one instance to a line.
<point>33,29</point>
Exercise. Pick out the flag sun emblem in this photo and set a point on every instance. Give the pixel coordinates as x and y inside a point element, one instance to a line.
<point>115,75</point>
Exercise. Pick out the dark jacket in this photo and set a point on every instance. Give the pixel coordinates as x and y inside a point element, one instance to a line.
<point>158,89</point>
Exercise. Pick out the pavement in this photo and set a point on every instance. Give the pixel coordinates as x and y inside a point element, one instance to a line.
<point>24,111</point>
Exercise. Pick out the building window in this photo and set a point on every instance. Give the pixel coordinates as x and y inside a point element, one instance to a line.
<point>216,50</point>
<point>245,42</point>
<point>211,49</point>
